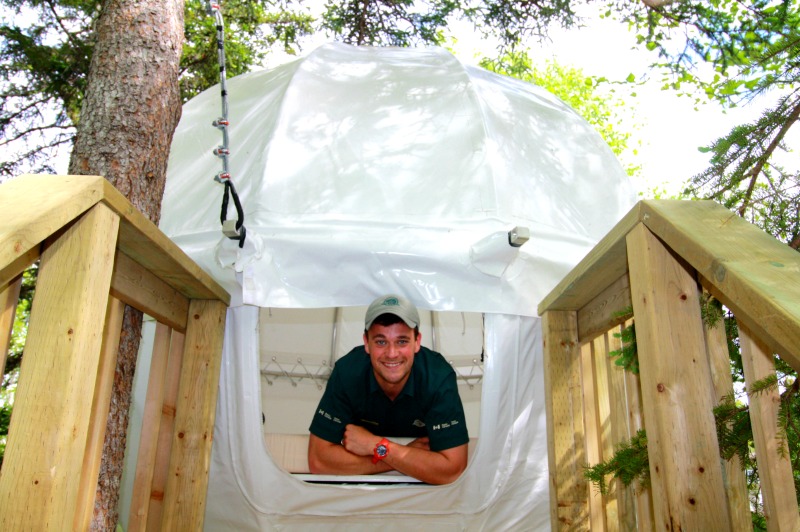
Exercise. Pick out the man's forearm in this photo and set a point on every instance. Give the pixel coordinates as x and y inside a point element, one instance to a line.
<point>430,467</point>
<point>326,458</point>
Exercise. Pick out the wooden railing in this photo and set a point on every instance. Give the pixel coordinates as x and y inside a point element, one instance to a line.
<point>97,253</point>
<point>657,260</point>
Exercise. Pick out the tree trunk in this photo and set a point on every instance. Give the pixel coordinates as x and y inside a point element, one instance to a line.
<point>129,114</point>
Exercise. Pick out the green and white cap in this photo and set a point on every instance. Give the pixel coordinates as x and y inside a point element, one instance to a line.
<point>392,304</point>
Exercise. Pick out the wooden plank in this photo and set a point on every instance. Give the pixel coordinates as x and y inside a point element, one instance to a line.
<point>752,273</point>
<point>685,471</point>
<point>9,297</point>
<point>619,432</point>
<point>50,427</point>
<point>34,207</point>
<point>774,468</point>
<point>142,241</point>
<point>18,265</point>
<point>601,313</point>
<point>61,199</point>
<point>185,496</point>
<point>592,424</point>
<point>140,289</point>
<point>569,492</point>
<point>151,424</point>
<point>601,267</point>
<point>733,472</point>
<point>623,515</point>
<point>166,429</point>
<point>644,501</point>
<point>99,420</point>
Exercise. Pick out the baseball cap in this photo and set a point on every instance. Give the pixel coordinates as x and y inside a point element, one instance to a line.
<point>392,304</point>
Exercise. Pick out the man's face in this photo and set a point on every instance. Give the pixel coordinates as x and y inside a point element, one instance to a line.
<point>391,350</point>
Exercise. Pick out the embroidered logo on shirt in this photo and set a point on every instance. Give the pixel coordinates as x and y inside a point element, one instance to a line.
<point>326,415</point>
<point>418,423</point>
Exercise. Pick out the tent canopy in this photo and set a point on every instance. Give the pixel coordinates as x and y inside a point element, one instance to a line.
<point>365,171</point>
<point>371,170</point>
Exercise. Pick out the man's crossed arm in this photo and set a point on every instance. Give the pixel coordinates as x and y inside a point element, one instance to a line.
<point>354,457</point>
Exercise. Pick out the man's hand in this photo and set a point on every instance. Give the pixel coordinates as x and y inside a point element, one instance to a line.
<point>359,440</point>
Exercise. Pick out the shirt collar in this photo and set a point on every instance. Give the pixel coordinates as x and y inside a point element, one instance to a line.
<point>408,389</point>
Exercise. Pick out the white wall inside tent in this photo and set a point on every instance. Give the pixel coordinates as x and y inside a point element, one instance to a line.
<point>366,171</point>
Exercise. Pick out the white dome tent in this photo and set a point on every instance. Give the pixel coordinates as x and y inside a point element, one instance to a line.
<point>365,171</point>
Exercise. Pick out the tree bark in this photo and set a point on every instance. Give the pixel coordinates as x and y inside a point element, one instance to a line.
<point>130,111</point>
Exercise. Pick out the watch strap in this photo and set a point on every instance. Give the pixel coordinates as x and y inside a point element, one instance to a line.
<point>381,450</point>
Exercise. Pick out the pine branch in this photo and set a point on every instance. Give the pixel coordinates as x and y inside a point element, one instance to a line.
<point>762,160</point>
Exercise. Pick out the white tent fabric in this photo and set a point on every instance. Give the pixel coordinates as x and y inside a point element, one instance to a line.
<point>364,171</point>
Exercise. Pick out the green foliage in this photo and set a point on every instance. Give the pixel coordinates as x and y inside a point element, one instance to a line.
<point>608,114</point>
<point>627,356</point>
<point>629,464</point>
<point>731,416</point>
<point>46,49</point>
<point>408,23</point>
<point>711,311</point>
<point>8,381</point>
<point>252,28</point>
<point>734,52</point>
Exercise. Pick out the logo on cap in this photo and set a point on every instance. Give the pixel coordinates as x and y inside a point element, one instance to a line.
<point>391,302</point>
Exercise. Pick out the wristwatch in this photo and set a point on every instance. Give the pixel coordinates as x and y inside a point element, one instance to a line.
<point>381,450</point>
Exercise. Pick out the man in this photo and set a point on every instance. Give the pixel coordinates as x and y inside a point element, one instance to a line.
<point>390,387</point>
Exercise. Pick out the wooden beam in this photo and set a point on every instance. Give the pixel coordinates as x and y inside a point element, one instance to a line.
<point>774,467</point>
<point>685,471</point>
<point>735,482</point>
<point>142,241</point>
<point>644,499</point>
<point>165,431</point>
<point>18,265</point>
<point>50,428</point>
<point>601,267</point>
<point>569,492</point>
<point>603,312</point>
<point>140,289</point>
<point>9,298</point>
<point>751,272</point>
<point>190,459</point>
<point>619,432</point>
<point>61,199</point>
<point>151,424</point>
<point>101,404</point>
<point>593,429</point>
<point>57,199</point>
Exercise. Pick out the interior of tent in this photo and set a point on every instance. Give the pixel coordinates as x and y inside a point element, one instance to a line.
<point>368,171</point>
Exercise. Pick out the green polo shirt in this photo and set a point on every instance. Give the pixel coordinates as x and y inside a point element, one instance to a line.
<point>428,405</point>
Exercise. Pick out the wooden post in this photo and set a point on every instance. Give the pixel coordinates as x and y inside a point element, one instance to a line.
<point>9,297</point>
<point>686,475</point>
<point>185,496</point>
<point>569,492</point>
<point>100,407</point>
<point>735,482</point>
<point>774,469</point>
<point>593,427</point>
<point>50,428</point>
<point>165,430</point>
<point>151,424</point>
<point>620,432</point>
